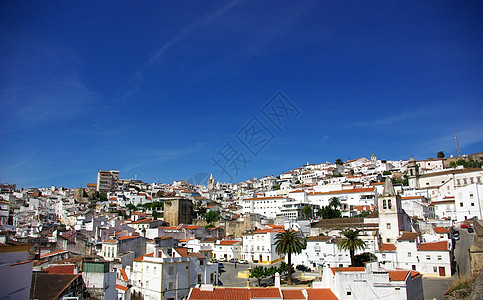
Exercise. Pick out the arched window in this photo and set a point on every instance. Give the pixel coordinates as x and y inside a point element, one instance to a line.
<point>389,204</point>
<point>384,205</point>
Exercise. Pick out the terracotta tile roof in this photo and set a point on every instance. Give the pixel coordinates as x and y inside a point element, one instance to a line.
<point>411,197</point>
<point>266,198</point>
<point>269,230</point>
<point>387,247</point>
<point>121,287</point>
<point>408,236</point>
<point>60,269</point>
<point>51,286</point>
<point>183,252</point>
<point>318,294</point>
<point>123,274</point>
<point>191,227</point>
<point>399,275</point>
<point>228,243</point>
<point>143,221</point>
<point>441,230</point>
<point>128,237</point>
<point>322,238</point>
<point>348,269</point>
<point>265,293</point>
<point>294,294</point>
<point>435,246</point>
<point>197,254</point>
<point>415,273</point>
<point>209,240</point>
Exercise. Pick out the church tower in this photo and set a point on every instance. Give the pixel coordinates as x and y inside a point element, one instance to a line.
<point>373,159</point>
<point>413,172</point>
<point>391,215</point>
<point>211,185</point>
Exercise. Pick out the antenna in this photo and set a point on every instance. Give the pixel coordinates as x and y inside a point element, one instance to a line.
<point>457,143</point>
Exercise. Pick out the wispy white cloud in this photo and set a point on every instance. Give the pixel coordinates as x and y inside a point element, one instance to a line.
<point>138,76</point>
<point>156,156</point>
<point>387,120</point>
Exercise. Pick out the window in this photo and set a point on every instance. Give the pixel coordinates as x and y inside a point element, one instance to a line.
<point>413,267</point>
<point>440,257</point>
<point>388,240</point>
<point>472,204</point>
<point>212,277</point>
<point>389,204</point>
<point>428,257</point>
<point>435,269</point>
<point>471,195</point>
<point>461,204</point>
<point>383,255</point>
<point>349,293</point>
<point>202,261</point>
<point>146,284</point>
<point>384,205</point>
<point>388,225</point>
<point>147,269</point>
<point>171,270</point>
<point>458,182</point>
<point>154,270</point>
<point>199,278</point>
<point>171,285</point>
<point>409,254</point>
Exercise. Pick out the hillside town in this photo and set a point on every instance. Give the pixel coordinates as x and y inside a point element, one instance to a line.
<point>366,228</point>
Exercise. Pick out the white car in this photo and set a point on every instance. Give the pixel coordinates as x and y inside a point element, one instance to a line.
<point>243,261</point>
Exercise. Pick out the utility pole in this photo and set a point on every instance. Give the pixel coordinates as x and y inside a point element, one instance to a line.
<point>457,143</point>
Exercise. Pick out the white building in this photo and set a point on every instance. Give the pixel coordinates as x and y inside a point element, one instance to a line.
<point>15,271</point>
<point>169,273</point>
<point>469,202</point>
<point>322,251</point>
<point>266,206</point>
<point>228,249</point>
<point>259,246</point>
<point>372,282</point>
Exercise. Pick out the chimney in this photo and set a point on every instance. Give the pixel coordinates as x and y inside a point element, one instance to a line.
<point>277,280</point>
<point>156,251</point>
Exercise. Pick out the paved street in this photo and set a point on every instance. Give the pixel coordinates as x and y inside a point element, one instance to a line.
<point>435,287</point>
<point>461,251</point>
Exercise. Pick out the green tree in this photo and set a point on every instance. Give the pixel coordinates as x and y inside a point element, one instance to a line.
<point>259,273</point>
<point>334,202</point>
<point>351,242</point>
<point>102,196</point>
<point>339,162</point>
<point>327,212</point>
<point>289,242</point>
<point>440,154</point>
<point>307,211</point>
<point>360,259</point>
<point>212,216</point>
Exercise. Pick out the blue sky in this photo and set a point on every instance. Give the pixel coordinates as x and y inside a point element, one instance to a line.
<point>157,90</point>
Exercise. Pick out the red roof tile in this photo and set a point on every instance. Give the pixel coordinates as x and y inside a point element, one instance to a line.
<point>441,230</point>
<point>435,246</point>
<point>121,287</point>
<point>399,275</point>
<point>387,247</point>
<point>60,269</point>
<point>228,242</point>
<point>318,294</point>
<point>293,294</point>
<point>408,236</point>
<point>123,274</point>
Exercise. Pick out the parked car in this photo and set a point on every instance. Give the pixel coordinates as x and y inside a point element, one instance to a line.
<point>233,260</point>
<point>465,225</point>
<point>302,268</point>
<point>222,259</point>
<point>471,230</point>
<point>243,261</point>
<point>456,235</point>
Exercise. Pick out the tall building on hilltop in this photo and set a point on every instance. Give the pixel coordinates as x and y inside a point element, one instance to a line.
<point>107,181</point>
<point>177,211</point>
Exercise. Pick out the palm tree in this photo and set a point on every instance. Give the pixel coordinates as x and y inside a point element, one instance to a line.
<point>351,242</point>
<point>288,242</point>
<point>334,202</point>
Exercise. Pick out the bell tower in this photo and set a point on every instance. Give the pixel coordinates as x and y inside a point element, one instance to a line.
<point>413,173</point>
<point>391,215</point>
